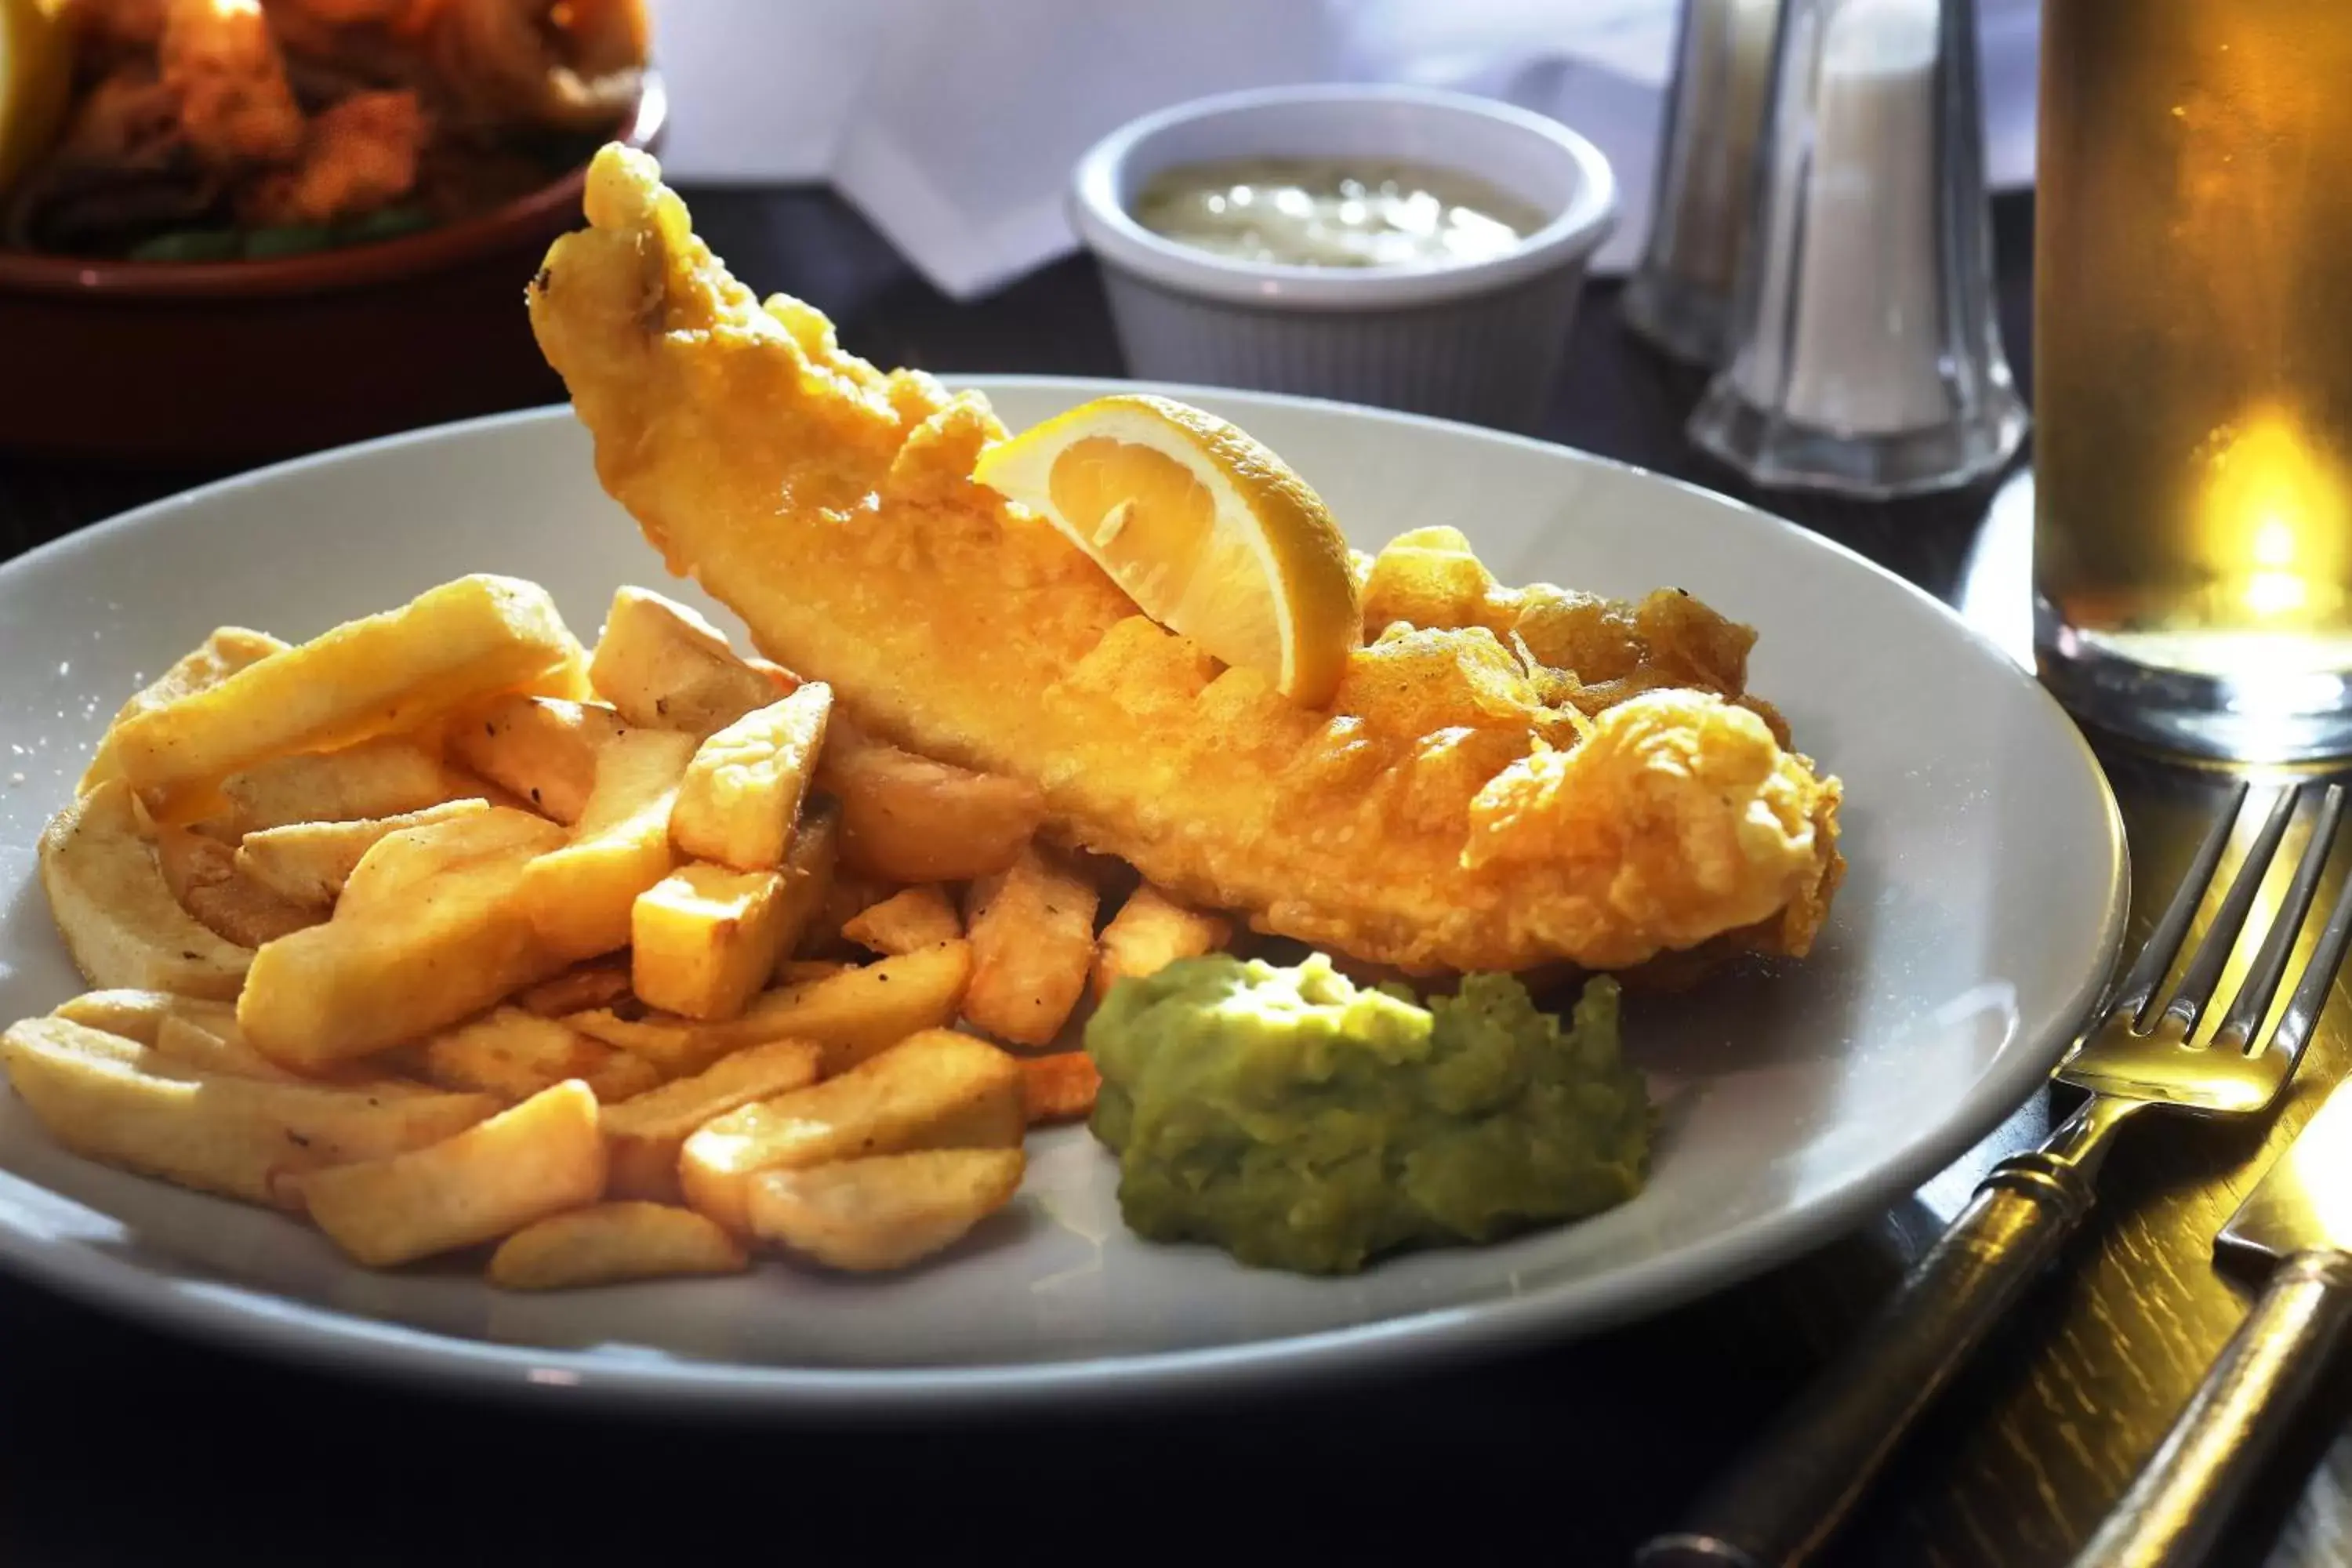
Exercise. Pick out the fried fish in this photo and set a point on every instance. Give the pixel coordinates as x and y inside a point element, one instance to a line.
<point>1507,778</point>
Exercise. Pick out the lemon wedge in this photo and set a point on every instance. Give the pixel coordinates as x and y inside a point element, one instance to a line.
<point>36,75</point>
<point>1210,533</point>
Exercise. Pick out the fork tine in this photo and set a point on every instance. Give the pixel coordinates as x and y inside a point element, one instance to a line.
<point>2163,944</point>
<point>2244,1019</point>
<point>2213,955</point>
<point>2294,1031</point>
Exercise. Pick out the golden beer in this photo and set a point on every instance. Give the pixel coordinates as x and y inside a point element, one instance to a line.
<point>2193,369</point>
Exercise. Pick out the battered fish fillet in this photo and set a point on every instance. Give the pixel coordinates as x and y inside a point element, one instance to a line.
<point>1456,807</point>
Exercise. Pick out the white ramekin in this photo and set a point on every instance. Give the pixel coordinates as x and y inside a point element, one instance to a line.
<point>1479,342</point>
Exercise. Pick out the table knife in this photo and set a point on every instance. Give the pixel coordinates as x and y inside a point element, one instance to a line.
<point>2298,1224</point>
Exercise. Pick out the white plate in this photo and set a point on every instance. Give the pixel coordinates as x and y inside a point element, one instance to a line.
<point>1986,898</point>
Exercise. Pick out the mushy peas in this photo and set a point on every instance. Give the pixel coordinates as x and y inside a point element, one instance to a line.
<point>1301,1122</point>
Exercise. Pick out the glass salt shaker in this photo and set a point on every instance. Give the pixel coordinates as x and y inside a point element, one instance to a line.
<point>1680,297</point>
<point>1866,357</point>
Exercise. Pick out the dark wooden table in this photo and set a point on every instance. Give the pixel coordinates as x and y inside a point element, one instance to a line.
<point>119,1446</point>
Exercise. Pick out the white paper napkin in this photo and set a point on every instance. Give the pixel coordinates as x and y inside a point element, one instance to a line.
<point>952,124</point>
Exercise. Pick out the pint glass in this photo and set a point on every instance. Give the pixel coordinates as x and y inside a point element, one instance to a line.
<point>2193,371</point>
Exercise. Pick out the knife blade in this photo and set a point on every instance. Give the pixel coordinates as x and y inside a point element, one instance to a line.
<point>2305,1201</point>
<point>2298,1219</point>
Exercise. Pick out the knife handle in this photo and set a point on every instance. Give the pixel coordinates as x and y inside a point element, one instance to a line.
<point>1798,1482</point>
<point>2175,1509</point>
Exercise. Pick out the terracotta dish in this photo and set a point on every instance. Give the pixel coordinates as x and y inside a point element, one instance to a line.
<point>237,361</point>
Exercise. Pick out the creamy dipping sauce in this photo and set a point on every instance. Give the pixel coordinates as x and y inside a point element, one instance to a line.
<point>1312,212</point>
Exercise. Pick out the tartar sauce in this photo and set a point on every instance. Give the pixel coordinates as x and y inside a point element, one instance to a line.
<point>1317,212</point>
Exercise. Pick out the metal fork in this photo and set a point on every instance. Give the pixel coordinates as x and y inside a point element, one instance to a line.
<point>1796,1485</point>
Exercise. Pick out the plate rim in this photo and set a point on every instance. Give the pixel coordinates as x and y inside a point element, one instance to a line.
<point>304,1334</point>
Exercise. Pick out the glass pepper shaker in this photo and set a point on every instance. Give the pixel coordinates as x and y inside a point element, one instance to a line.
<point>1680,297</point>
<point>1866,357</point>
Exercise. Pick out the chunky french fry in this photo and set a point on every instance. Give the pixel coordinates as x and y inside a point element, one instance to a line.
<point>455,644</point>
<point>112,1101</point>
<point>851,1014</point>
<point>459,784</point>
<point>514,1054</point>
<point>580,897</point>
<point>1033,946</point>
<point>377,975</point>
<point>608,1243</point>
<point>115,911</point>
<point>742,793</point>
<point>399,863</point>
<point>885,1212</point>
<point>800,971</point>
<point>937,1089</point>
<point>540,749</point>
<point>220,656</point>
<point>704,939</point>
<point>196,1033</point>
<point>809,877</point>
<point>203,875</point>
<point>134,1014</point>
<point>383,777</point>
<point>539,1158</point>
<point>1151,931</point>
<point>1059,1088</point>
<point>216,1044</point>
<point>907,920</point>
<point>309,862</point>
<point>645,1134</point>
<point>599,982</point>
<point>858,1012</point>
<point>907,818</point>
<point>665,667</point>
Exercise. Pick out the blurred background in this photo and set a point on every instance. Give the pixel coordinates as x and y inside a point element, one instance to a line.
<point>365,280</point>
<point>954,134</point>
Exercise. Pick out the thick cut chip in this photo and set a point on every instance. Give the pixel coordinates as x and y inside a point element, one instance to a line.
<point>203,875</point>
<point>309,862</point>
<point>539,1158</point>
<point>1033,946</point>
<point>579,896</point>
<point>220,656</point>
<point>115,911</point>
<point>134,1014</point>
<point>907,920</point>
<point>399,863</point>
<point>599,982</point>
<point>1151,931</point>
<point>704,939</point>
<point>1059,1088</point>
<point>211,1042</point>
<point>907,818</point>
<point>809,877</point>
<point>851,1014</point>
<point>742,793</point>
<point>665,667</point>
<point>380,973</point>
<point>114,1100</point>
<point>937,1090</point>
<point>866,1216</point>
<point>383,777</point>
<point>541,750</point>
<point>645,1134</point>
<point>456,644</point>
<point>608,1243</point>
<point>515,1055</point>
